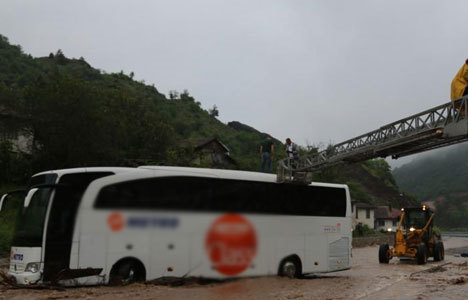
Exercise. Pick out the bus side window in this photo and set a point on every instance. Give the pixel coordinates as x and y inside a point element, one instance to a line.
<point>166,193</point>
<point>238,196</point>
<point>223,195</point>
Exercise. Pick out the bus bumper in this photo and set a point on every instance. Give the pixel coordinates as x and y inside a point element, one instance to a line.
<point>24,278</point>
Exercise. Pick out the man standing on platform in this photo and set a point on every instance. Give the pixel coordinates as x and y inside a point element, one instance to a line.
<point>291,149</point>
<point>266,150</point>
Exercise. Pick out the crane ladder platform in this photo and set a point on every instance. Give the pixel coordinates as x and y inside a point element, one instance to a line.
<point>440,126</point>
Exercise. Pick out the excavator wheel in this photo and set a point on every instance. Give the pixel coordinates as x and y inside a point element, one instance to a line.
<point>384,254</point>
<point>439,252</point>
<point>421,255</point>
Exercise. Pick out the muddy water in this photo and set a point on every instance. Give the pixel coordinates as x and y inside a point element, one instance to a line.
<point>366,280</point>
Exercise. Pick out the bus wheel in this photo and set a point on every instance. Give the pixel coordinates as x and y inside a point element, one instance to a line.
<point>126,272</point>
<point>290,267</point>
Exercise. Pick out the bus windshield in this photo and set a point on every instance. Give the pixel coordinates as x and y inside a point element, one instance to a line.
<point>30,224</point>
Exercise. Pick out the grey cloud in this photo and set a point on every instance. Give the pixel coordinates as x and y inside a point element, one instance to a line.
<point>316,71</point>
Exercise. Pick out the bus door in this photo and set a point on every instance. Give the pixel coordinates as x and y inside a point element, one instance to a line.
<point>61,223</point>
<point>170,255</point>
<point>316,258</point>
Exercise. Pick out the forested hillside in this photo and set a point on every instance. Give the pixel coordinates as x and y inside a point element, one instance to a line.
<point>440,178</point>
<point>81,116</point>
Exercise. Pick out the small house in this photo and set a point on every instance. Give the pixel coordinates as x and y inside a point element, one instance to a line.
<point>212,153</point>
<point>363,213</point>
<point>386,218</point>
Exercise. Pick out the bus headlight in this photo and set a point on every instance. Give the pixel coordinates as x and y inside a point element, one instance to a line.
<point>32,267</point>
<point>412,229</point>
<point>389,229</point>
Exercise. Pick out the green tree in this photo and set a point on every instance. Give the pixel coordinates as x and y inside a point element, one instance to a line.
<point>214,112</point>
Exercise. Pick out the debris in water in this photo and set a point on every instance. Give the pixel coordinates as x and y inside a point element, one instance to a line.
<point>179,281</point>
<point>458,280</point>
<point>437,269</point>
<point>432,270</point>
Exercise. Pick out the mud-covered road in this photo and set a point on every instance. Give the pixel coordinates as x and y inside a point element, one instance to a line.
<point>366,280</point>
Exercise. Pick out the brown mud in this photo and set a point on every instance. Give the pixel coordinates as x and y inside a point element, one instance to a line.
<point>367,279</point>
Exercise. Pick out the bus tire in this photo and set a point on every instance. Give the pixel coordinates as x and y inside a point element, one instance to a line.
<point>439,253</point>
<point>384,255</point>
<point>127,271</point>
<point>290,267</point>
<point>421,254</point>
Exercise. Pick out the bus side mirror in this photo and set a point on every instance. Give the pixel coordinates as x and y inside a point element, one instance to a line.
<point>2,200</point>
<point>29,196</point>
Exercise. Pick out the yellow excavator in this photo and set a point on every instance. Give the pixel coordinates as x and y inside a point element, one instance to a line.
<point>414,237</point>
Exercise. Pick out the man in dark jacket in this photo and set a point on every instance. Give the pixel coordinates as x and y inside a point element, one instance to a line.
<point>266,150</point>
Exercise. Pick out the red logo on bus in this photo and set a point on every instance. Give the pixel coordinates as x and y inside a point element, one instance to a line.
<point>231,244</point>
<point>115,221</point>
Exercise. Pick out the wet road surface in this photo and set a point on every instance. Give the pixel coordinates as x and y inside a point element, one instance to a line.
<point>366,280</point>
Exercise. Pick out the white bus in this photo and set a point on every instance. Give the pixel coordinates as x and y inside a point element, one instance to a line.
<point>43,235</point>
<point>170,221</point>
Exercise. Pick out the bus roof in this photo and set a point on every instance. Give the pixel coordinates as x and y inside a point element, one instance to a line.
<point>228,174</point>
<point>231,174</point>
<point>61,172</point>
<point>180,171</point>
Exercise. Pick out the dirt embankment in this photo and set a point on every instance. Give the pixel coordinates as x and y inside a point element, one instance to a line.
<point>367,279</point>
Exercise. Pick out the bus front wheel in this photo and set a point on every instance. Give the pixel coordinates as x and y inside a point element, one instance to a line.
<point>290,267</point>
<point>127,271</point>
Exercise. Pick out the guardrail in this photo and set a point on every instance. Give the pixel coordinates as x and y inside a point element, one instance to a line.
<point>455,234</point>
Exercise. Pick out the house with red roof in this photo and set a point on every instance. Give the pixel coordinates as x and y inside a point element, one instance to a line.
<point>386,218</point>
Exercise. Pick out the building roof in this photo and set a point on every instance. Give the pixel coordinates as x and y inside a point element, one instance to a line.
<point>203,142</point>
<point>363,205</point>
<point>395,213</point>
<point>200,143</point>
<point>384,212</point>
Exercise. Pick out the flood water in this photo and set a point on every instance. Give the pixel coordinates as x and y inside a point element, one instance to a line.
<point>366,280</point>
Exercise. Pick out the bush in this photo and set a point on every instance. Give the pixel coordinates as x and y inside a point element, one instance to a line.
<point>7,220</point>
<point>363,230</point>
<point>436,230</point>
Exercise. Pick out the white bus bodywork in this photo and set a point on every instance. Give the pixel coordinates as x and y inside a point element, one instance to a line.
<point>21,257</point>
<point>181,243</point>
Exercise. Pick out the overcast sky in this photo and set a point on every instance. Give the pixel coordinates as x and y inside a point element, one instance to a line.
<point>315,71</point>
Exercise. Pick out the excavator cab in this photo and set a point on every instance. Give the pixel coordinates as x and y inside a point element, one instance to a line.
<point>414,237</point>
<point>416,219</point>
